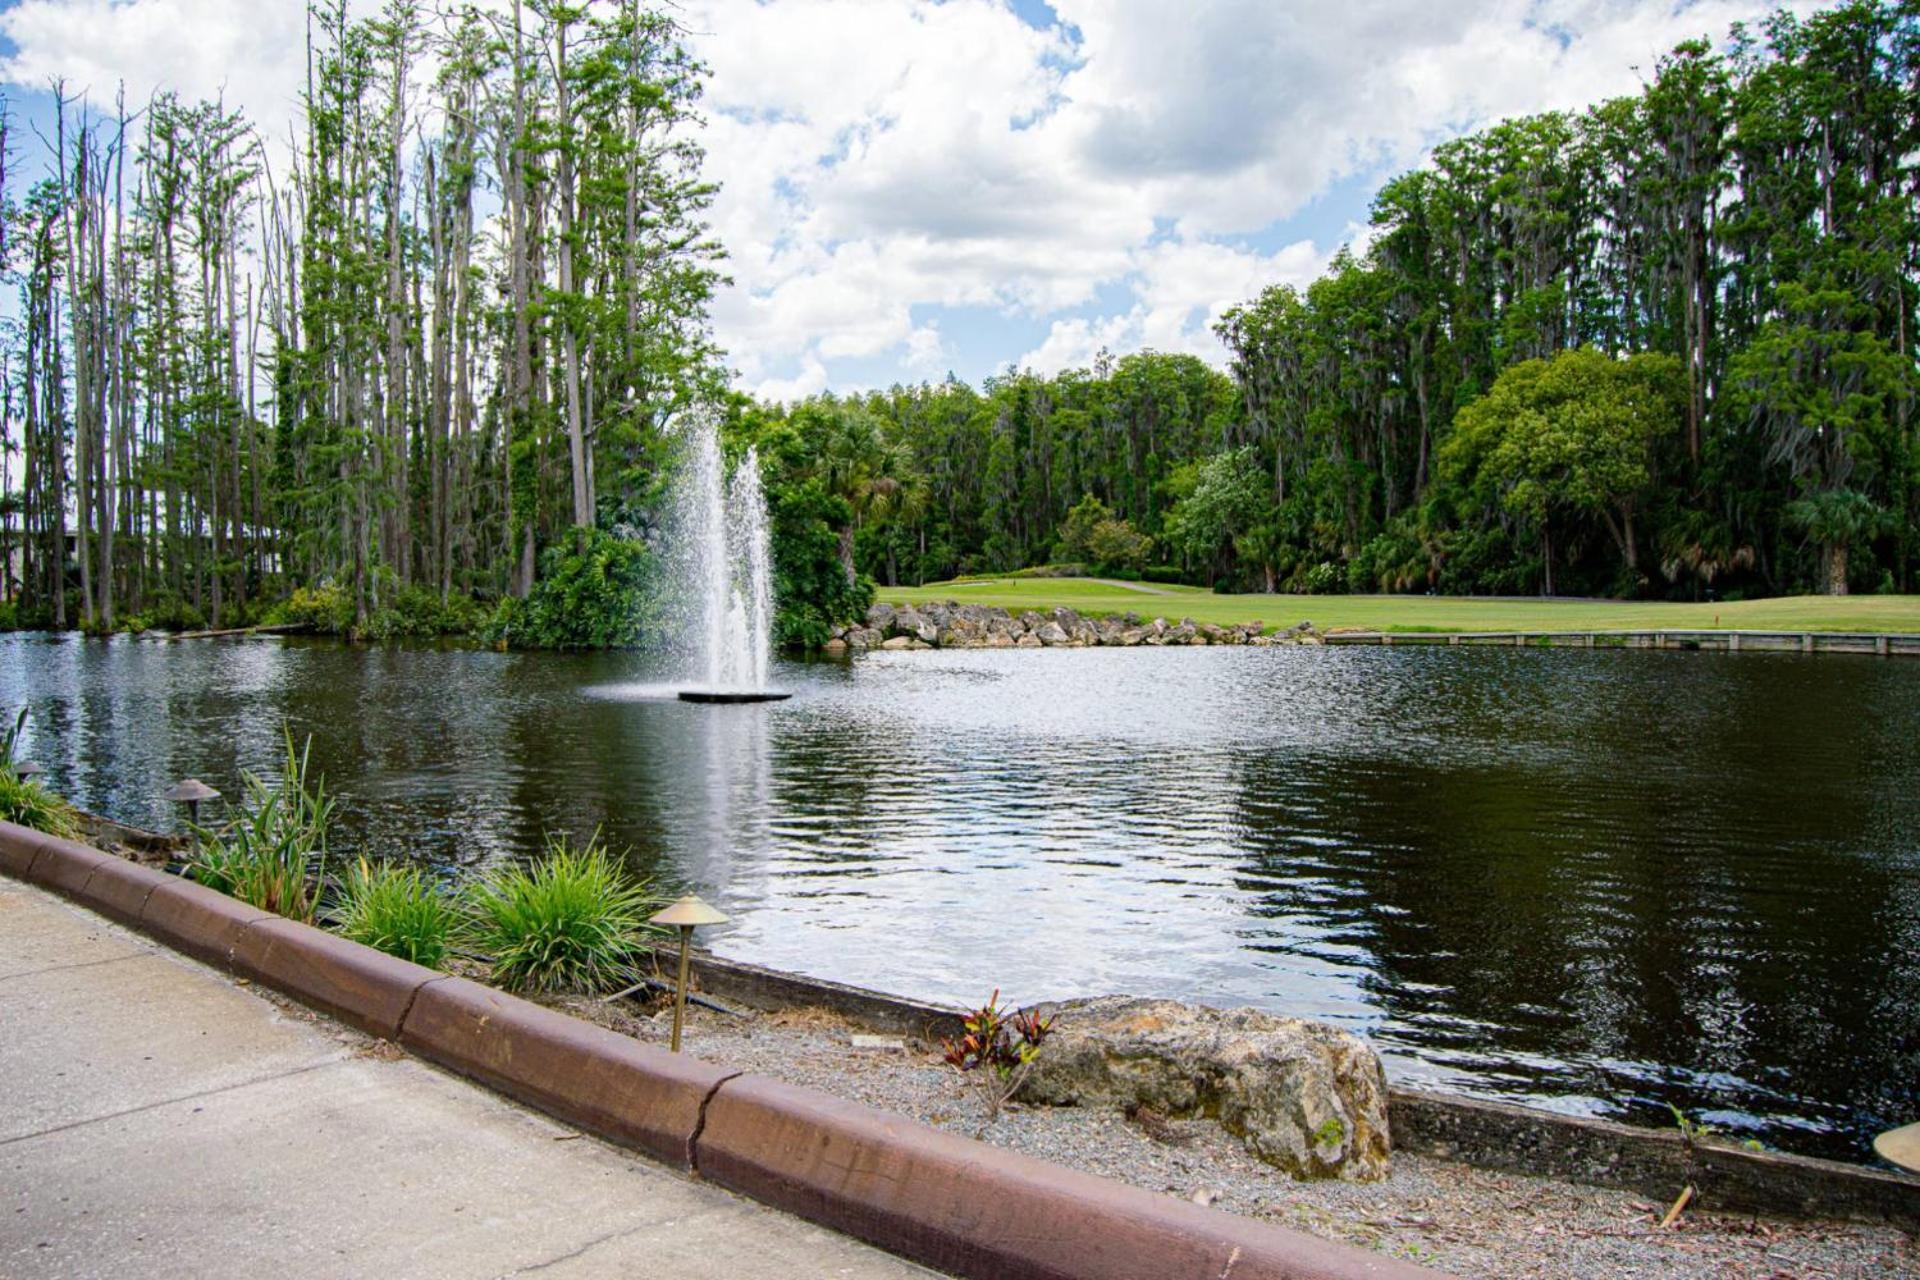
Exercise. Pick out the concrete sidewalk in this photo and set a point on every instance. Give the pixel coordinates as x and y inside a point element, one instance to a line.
<point>157,1120</point>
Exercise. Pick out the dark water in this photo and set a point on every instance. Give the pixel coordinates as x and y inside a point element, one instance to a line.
<point>1594,881</point>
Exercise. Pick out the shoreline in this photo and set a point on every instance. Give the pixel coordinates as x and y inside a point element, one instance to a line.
<point>1490,1134</point>
<point>954,625</point>
<point>1435,1208</point>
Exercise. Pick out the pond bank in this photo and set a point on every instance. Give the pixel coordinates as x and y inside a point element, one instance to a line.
<point>953,625</point>
<point>1435,1211</point>
<point>1492,1137</point>
<point>1445,1213</point>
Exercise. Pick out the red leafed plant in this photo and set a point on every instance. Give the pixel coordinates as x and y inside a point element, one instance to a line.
<point>997,1051</point>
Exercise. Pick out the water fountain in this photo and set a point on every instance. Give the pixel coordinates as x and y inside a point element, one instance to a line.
<point>723,572</point>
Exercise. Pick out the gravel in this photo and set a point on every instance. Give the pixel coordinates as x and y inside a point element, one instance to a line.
<point>1457,1218</point>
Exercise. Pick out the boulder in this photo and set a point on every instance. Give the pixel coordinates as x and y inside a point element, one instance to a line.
<point>906,642</point>
<point>1051,634</point>
<point>1028,641</point>
<point>999,640</point>
<point>864,638</point>
<point>880,616</point>
<point>834,645</point>
<point>1302,1096</point>
<point>1131,637</point>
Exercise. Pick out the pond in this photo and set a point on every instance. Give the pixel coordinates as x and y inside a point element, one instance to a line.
<point>1599,882</point>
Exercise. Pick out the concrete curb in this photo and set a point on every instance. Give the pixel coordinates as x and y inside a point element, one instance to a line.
<point>602,1081</point>
<point>971,1209</point>
<point>951,1203</point>
<point>362,987</point>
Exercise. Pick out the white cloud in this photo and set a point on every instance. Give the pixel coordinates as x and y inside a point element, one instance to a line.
<point>884,158</point>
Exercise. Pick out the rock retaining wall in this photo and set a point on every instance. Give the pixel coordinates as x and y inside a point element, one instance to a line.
<point>977,626</point>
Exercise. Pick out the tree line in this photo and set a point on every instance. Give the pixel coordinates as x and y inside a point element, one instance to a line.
<point>394,358</point>
<point>416,366</point>
<point>1661,347</point>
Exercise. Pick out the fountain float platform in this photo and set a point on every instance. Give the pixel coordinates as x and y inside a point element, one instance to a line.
<point>725,697</point>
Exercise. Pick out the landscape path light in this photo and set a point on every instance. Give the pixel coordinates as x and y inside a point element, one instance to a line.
<point>27,770</point>
<point>191,793</point>
<point>685,915</point>
<point>1900,1146</point>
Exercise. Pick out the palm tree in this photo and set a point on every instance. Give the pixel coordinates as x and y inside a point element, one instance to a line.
<point>1837,519</point>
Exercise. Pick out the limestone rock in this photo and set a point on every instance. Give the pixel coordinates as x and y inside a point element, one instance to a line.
<point>834,645</point>
<point>880,616</point>
<point>1050,634</point>
<point>1302,1096</point>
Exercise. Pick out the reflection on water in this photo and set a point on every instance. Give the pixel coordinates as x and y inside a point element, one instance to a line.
<point>1593,881</point>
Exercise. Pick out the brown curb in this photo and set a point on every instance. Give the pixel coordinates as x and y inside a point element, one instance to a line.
<point>120,889</point>
<point>19,846</point>
<point>64,866</point>
<point>964,1207</point>
<point>602,1081</point>
<point>197,920</point>
<point>362,987</point>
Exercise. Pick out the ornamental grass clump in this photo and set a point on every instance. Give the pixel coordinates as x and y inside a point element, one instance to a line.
<point>24,801</point>
<point>397,910</point>
<point>569,923</point>
<point>28,804</point>
<point>273,852</point>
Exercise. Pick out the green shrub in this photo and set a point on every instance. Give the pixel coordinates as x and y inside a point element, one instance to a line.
<point>274,850</point>
<point>167,612</point>
<point>326,608</point>
<point>595,591</point>
<point>568,923</point>
<point>27,803</point>
<point>418,613</point>
<point>396,910</point>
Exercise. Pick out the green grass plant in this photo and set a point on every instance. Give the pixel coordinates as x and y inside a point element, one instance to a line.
<point>1875,613</point>
<point>273,851</point>
<point>397,910</point>
<point>568,923</point>
<point>27,803</point>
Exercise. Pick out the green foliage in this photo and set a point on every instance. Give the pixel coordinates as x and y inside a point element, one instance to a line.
<point>1569,438</point>
<point>1224,500</point>
<point>596,590</point>
<point>272,853</point>
<point>1090,533</point>
<point>397,910</point>
<point>417,613</point>
<point>570,922</point>
<point>167,612</point>
<point>808,476</point>
<point>326,607</point>
<point>25,802</point>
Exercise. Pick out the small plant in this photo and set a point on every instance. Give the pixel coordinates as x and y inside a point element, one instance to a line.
<point>568,923</point>
<point>272,853</point>
<point>997,1050</point>
<point>1690,1129</point>
<point>396,910</point>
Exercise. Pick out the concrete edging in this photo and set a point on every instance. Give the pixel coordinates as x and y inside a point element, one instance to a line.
<point>932,1197</point>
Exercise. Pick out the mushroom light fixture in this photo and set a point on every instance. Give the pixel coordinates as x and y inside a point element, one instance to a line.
<point>685,915</point>
<point>191,793</point>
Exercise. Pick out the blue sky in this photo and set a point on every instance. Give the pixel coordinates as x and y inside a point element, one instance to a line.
<point>912,187</point>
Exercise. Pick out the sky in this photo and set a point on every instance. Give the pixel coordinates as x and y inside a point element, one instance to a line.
<point>912,188</point>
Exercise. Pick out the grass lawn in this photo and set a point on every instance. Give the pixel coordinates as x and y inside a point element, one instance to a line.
<point>1425,613</point>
